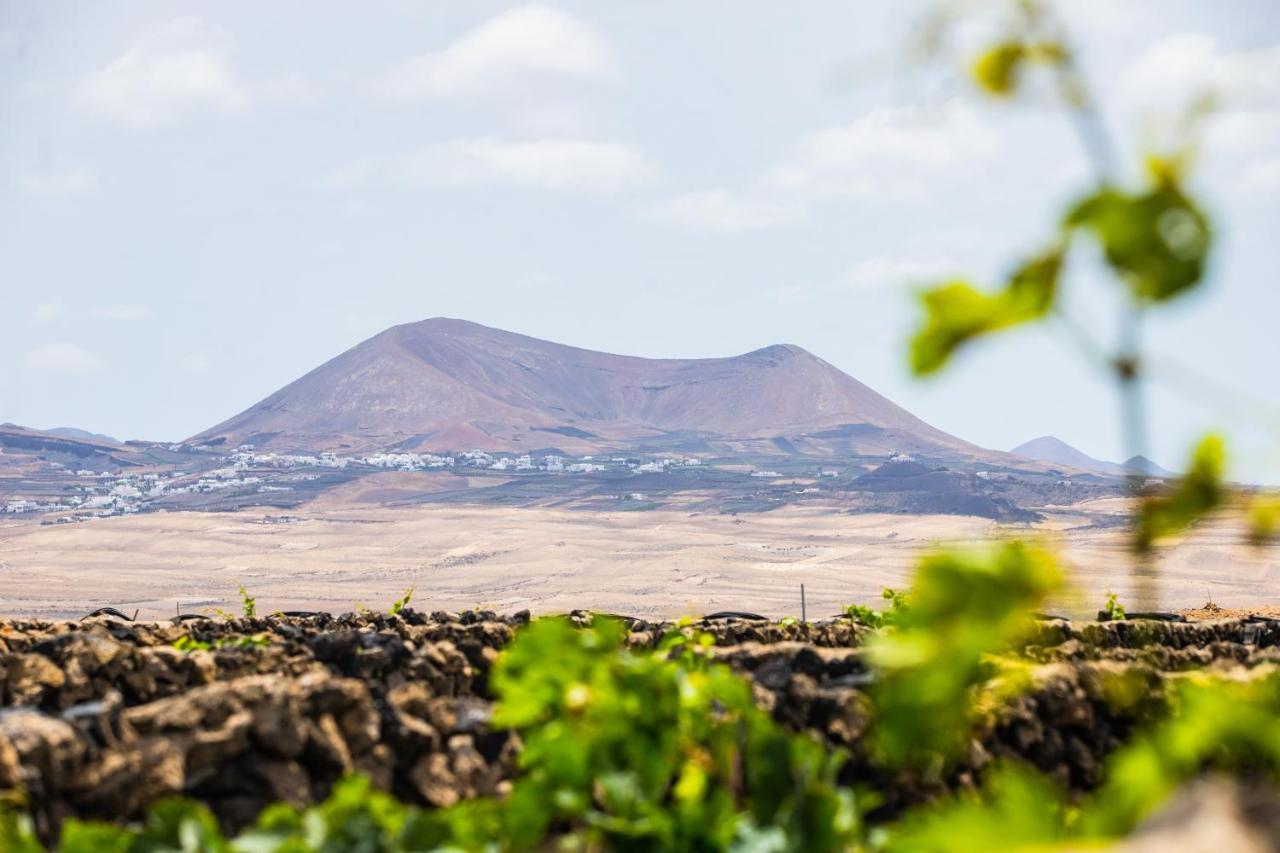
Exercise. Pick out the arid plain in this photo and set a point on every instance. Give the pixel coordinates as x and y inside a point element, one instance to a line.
<point>662,563</point>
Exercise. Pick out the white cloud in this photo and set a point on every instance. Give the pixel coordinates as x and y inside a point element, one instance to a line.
<point>58,184</point>
<point>571,165</point>
<point>556,164</point>
<point>886,154</point>
<point>62,357</point>
<point>898,272</point>
<point>169,72</point>
<point>1185,66</point>
<point>1242,133</point>
<point>890,152</point>
<point>47,311</point>
<point>724,211</point>
<point>504,51</point>
<point>124,312</point>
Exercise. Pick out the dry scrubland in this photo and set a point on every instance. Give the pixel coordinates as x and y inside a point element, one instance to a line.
<point>649,564</point>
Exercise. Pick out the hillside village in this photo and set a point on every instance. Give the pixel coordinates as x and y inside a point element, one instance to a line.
<point>210,479</point>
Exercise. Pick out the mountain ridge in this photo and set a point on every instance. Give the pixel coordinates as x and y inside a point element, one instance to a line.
<point>449,384</point>
<point>1052,450</point>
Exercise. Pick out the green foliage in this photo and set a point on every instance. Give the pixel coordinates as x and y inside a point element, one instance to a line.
<point>17,831</point>
<point>1217,723</point>
<point>1157,240</point>
<point>882,618</point>
<point>355,817</point>
<point>170,825</point>
<point>248,604</point>
<point>1113,608</point>
<point>402,602</point>
<point>1198,492</point>
<point>1264,519</point>
<point>651,750</point>
<point>665,749</point>
<point>998,69</point>
<point>1018,809</point>
<point>962,607</point>
<point>956,312</point>
<point>187,643</point>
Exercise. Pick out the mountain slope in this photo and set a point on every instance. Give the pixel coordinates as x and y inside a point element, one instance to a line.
<point>446,384</point>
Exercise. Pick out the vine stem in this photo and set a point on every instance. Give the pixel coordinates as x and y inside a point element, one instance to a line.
<point>1127,365</point>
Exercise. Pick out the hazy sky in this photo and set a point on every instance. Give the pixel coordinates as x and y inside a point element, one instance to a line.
<point>201,202</point>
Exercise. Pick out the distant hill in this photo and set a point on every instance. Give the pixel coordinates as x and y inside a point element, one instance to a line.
<point>83,435</point>
<point>1146,466</point>
<point>20,445</point>
<point>445,384</point>
<point>1055,451</point>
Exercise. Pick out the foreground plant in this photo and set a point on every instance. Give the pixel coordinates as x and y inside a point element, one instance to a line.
<point>648,750</point>
<point>1216,724</point>
<point>623,750</point>
<point>963,607</point>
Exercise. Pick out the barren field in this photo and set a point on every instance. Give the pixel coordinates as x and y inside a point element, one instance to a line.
<point>649,564</point>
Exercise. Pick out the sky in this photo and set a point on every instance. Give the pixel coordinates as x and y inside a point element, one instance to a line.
<point>202,202</point>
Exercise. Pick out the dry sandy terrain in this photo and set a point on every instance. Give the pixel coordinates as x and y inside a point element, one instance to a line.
<point>644,563</point>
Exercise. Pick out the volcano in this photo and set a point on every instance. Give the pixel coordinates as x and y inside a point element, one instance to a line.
<point>444,384</point>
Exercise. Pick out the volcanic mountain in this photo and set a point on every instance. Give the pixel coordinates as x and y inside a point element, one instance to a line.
<point>1054,451</point>
<point>445,384</point>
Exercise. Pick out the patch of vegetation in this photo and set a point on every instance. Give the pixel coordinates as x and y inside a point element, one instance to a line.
<point>187,643</point>
<point>879,618</point>
<point>1113,609</point>
<point>248,604</point>
<point>402,602</point>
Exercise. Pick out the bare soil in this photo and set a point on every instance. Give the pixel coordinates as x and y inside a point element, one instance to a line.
<point>659,564</point>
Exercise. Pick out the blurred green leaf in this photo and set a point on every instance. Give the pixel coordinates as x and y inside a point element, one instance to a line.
<point>1264,519</point>
<point>963,606</point>
<point>997,68</point>
<point>1018,808</point>
<point>17,832</point>
<point>1198,492</point>
<point>956,312</point>
<point>1157,240</point>
<point>1215,722</point>
<point>653,749</point>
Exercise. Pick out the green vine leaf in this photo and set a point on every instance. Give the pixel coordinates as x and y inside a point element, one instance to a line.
<point>1157,241</point>
<point>956,312</point>
<point>1199,492</point>
<point>997,69</point>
